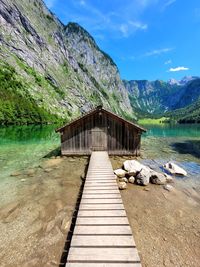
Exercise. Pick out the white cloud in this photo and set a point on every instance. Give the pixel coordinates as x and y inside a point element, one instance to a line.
<point>157,52</point>
<point>168,62</point>
<point>131,26</point>
<point>138,25</point>
<point>178,69</point>
<point>50,3</point>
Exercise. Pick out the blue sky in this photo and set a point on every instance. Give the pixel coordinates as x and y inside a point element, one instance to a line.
<point>147,39</point>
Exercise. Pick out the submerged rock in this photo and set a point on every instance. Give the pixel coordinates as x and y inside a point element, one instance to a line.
<point>16,173</point>
<point>131,180</point>
<point>174,169</point>
<point>65,224</point>
<point>122,185</point>
<point>120,173</point>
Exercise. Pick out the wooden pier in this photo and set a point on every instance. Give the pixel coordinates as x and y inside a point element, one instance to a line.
<point>102,236</point>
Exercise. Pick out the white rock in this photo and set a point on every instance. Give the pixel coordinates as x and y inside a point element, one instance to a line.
<point>120,173</point>
<point>143,177</point>
<point>124,179</point>
<point>133,167</point>
<point>174,169</point>
<point>157,178</point>
<point>168,187</point>
<point>122,185</point>
<point>169,178</point>
<point>131,180</point>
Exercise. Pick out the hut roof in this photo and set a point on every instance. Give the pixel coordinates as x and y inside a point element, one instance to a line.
<point>97,109</point>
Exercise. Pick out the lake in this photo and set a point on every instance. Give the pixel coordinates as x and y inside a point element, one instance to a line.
<point>26,146</point>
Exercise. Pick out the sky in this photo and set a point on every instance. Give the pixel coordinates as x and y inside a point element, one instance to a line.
<point>147,39</point>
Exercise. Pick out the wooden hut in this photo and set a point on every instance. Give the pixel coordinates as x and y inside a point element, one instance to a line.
<point>99,130</point>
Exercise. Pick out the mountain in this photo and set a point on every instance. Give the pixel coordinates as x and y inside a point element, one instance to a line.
<point>54,71</point>
<point>159,97</point>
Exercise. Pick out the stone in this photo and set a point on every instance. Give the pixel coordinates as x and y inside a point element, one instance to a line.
<point>133,167</point>
<point>50,226</point>
<point>143,177</point>
<point>48,170</point>
<point>120,173</point>
<point>168,187</point>
<point>65,225</point>
<point>146,189</point>
<point>124,179</point>
<point>131,180</point>
<point>157,178</point>
<point>9,209</point>
<point>30,172</point>
<point>169,178</point>
<point>17,173</point>
<point>23,180</point>
<point>122,185</point>
<point>174,169</point>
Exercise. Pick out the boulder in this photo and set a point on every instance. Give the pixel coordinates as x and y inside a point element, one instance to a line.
<point>131,180</point>
<point>122,185</point>
<point>133,167</point>
<point>120,173</point>
<point>157,178</point>
<point>124,179</point>
<point>174,169</point>
<point>143,177</point>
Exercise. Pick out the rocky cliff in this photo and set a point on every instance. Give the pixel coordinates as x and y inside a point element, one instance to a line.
<point>158,97</point>
<point>54,69</point>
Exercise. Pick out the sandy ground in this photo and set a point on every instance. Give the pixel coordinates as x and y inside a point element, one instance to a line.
<point>34,225</point>
<point>35,219</point>
<point>166,225</point>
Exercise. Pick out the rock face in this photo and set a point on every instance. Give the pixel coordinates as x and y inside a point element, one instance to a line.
<point>61,68</point>
<point>159,96</point>
<point>174,169</point>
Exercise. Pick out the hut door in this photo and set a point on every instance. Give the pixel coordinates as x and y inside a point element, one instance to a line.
<point>99,139</point>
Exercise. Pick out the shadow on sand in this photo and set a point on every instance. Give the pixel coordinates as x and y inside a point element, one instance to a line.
<point>191,147</point>
<point>54,153</point>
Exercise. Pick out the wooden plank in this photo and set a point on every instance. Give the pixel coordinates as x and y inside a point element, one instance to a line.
<point>101,213</point>
<point>102,221</point>
<point>102,241</point>
<point>96,201</point>
<point>92,264</point>
<point>101,207</point>
<point>123,255</point>
<point>102,230</point>
<point>101,196</point>
<point>102,191</point>
<point>102,235</point>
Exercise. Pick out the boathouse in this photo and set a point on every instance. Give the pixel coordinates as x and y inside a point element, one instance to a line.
<point>100,130</point>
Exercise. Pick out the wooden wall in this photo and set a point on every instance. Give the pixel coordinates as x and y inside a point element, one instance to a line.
<point>100,131</point>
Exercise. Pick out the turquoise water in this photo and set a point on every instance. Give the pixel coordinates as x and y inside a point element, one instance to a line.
<point>26,146</point>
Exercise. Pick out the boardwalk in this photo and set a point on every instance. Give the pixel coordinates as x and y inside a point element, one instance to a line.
<point>102,235</point>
